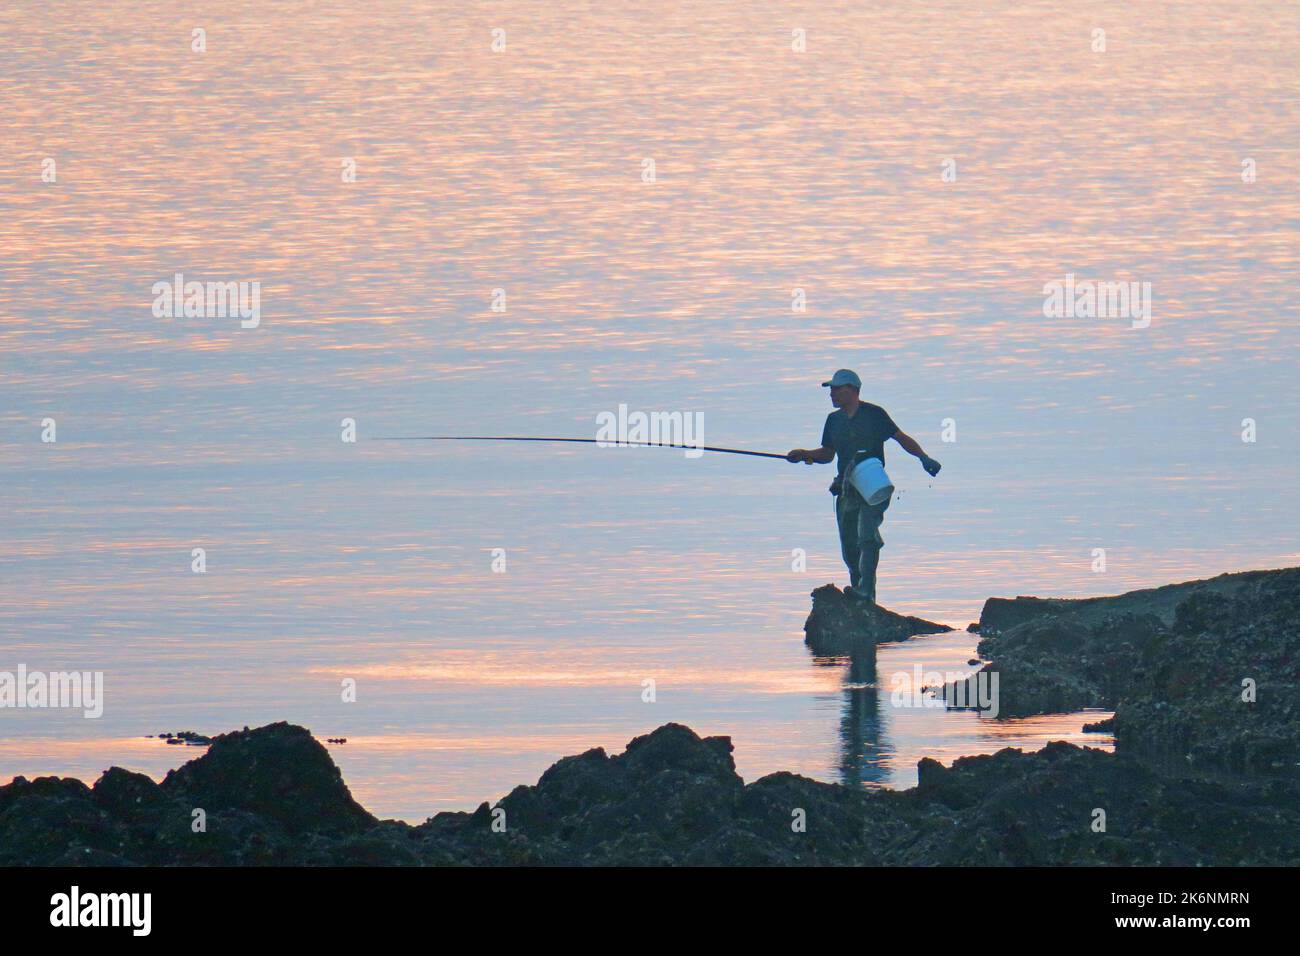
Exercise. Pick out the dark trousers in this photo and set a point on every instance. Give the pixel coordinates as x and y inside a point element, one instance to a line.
<point>860,540</point>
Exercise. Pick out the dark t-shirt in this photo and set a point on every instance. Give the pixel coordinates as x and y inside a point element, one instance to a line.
<point>868,430</point>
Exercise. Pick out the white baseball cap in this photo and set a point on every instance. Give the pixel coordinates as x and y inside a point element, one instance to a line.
<point>844,377</point>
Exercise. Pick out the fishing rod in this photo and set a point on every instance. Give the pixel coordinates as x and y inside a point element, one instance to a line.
<point>584,441</point>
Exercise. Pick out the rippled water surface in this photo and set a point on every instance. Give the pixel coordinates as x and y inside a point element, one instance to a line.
<point>521,170</point>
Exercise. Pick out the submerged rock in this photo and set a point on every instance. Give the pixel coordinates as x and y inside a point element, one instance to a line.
<point>841,625</point>
<point>185,737</point>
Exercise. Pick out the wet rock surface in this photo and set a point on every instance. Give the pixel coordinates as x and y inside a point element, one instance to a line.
<point>840,625</point>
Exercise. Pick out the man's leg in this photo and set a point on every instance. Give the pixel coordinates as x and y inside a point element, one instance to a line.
<point>870,542</point>
<point>847,509</point>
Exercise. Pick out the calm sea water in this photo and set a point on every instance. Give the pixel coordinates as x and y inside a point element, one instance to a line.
<point>522,170</point>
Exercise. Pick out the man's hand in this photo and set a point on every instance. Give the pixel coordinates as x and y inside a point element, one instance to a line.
<point>930,465</point>
<point>800,455</point>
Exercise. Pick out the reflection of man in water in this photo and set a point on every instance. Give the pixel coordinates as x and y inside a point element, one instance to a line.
<point>854,431</point>
<point>863,755</point>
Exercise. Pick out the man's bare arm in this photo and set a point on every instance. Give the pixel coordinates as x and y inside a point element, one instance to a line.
<point>910,444</point>
<point>913,447</point>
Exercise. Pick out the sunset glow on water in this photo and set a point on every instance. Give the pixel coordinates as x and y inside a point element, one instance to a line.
<point>523,171</point>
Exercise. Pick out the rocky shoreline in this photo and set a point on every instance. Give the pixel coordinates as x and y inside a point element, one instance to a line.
<point>1200,775</point>
<point>1203,672</point>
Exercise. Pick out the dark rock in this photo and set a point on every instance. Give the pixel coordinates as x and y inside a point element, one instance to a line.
<point>671,798</point>
<point>1000,614</point>
<point>43,819</point>
<point>1189,693</point>
<point>1169,661</point>
<point>1057,663</point>
<point>280,772</point>
<point>126,794</point>
<point>660,795</point>
<point>840,625</point>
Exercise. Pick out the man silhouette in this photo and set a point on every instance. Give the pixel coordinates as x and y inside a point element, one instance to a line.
<point>857,430</point>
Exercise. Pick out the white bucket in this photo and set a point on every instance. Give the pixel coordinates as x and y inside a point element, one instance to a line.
<point>869,478</point>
